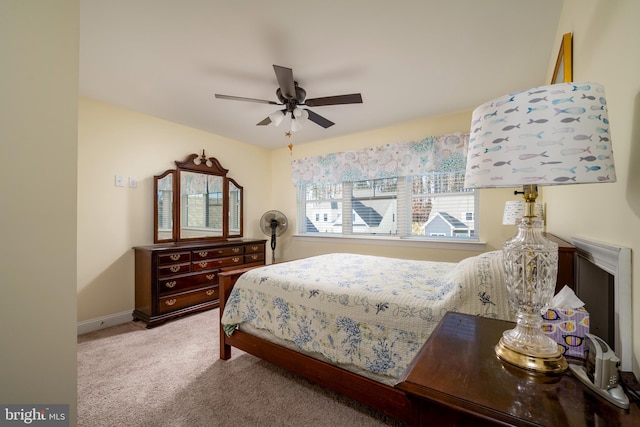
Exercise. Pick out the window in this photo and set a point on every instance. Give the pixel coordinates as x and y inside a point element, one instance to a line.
<point>320,201</point>
<point>405,189</point>
<point>441,206</point>
<point>433,205</point>
<point>202,210</point>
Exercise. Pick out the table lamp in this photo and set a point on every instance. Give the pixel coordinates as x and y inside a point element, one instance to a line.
<point>549,135</point>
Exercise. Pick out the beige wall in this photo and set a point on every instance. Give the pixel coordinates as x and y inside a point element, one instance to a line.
<point>606,42</point>
<point>111,220</point>
<point>38,143</point>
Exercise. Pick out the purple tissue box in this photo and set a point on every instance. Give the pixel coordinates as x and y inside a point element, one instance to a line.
<point>567,327</point>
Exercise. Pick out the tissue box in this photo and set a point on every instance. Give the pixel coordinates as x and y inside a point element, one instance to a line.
<point>567,327</point>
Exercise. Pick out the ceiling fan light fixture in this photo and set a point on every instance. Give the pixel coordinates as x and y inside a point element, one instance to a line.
<point>296,124</point>
<point>277,117</point>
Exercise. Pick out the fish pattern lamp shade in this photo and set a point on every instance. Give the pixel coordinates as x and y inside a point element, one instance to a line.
<point>550,135</point>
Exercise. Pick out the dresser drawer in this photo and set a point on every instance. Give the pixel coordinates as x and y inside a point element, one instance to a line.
<point>254,249</point>
<point>173,269</point>
<point>172,279</point>
<point>217,263</point>
<point>174,258</point>
<point>172,285</point>
<point>209,253</point>
<point>250,258</point>
<point>186,299</point>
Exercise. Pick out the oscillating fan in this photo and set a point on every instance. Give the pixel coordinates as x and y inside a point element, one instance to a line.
<point>273,223</point>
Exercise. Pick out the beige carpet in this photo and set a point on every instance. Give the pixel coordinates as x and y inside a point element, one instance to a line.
<point>171,376</point>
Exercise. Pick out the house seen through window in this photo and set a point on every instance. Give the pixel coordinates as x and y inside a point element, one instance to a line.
<point>434,205</point>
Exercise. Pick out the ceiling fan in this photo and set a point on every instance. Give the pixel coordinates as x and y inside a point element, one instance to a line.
<point>292,96</point>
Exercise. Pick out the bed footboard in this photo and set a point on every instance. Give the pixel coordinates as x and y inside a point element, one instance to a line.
<point>227,279</point>
<point>381,397</point>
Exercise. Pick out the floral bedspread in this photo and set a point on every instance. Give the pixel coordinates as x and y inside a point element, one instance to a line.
<point>364,312</point>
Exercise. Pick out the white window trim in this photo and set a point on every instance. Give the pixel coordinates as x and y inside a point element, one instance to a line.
<point>467,245</point>
<point>402,198</point>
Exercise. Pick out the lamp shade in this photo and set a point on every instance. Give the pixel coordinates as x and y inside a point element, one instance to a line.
<point>549,135</point>
<point>296,124</point>
<point>277,117</point>
<point>300,114</point>
<point>514,210</point>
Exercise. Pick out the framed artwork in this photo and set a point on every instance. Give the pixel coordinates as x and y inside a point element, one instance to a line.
<point>563,71</point>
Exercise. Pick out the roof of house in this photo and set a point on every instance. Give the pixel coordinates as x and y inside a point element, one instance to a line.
<point>450,219</point>
<point>309,227</point>
<point>368,214</point>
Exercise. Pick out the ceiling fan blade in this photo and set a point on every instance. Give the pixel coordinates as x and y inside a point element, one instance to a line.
<point>239,98</point>
<point>285,81</point>
<point>319,120</point>
<point>354,98</point>
<point>266,121</point>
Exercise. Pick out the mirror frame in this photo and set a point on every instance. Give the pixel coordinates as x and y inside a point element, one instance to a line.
<point>240,208</point>
<point>156,222</point>
<point>197,164</point>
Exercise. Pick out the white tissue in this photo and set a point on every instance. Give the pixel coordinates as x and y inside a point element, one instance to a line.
<point>566,298</point>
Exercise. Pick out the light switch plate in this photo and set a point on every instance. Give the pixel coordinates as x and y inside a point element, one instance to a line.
<point>119,181</point>
<point>133,182</point>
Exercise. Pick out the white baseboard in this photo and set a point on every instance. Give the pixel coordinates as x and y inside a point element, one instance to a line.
<point>104,322</point>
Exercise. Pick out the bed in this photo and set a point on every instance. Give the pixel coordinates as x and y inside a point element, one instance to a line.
<point>353,323</point>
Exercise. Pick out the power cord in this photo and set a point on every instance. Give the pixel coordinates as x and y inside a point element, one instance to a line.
<point>631,386</point>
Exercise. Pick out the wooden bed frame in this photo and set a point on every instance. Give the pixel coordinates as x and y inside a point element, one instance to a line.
<point>384,398</point>
<point>376,395</point>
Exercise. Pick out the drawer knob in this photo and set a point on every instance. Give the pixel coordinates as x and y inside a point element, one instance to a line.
<point>203,264</point>
<point>174,268</point>
<point>210,292</point>
<point>174,257</point>
<point>236,250</point>
<point>203,254</point>
<point>170,284</point>
<point>170,302</point>
<point>236,259</point>
<point>254,248</point>
<point>210,276</point>
<point>254,256</point>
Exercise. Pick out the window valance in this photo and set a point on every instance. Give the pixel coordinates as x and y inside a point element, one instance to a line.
<point>198,183</point>
<point>446,153</point>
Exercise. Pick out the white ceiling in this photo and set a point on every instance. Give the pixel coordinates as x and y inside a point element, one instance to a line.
<point>410,59</point>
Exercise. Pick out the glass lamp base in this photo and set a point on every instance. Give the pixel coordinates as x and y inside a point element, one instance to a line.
<point>531,265</point>
<point>547,364</point>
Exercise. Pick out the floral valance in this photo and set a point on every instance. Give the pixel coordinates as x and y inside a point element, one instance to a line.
<point>446,153</point>
<point>199,183</point>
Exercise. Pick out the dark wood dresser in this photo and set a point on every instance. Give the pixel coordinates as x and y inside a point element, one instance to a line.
<point>457,380</point>
<point>174,279</point>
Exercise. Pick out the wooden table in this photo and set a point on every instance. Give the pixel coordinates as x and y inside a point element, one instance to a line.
<point>456,379</point>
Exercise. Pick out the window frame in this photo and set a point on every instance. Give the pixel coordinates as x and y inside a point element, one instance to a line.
<point>402,217</point>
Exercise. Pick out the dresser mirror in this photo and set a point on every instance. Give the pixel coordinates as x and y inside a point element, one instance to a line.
<point>196,201</point>
<point>235,209</point>
<point>164,207</point>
